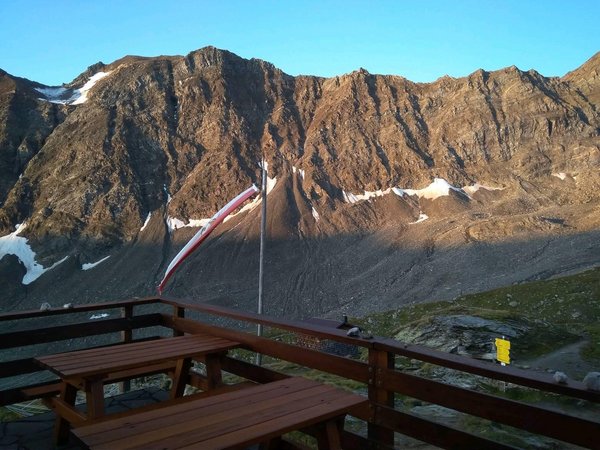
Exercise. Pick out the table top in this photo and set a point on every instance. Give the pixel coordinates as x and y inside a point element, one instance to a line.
<point>238,418</point>
<point>105,360</point>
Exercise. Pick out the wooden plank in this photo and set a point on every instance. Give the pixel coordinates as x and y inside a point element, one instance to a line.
<point>126,338</point>
<point>64,332</point>
<point>251,371</point>
<point>511,374</point>
<point>21,394</point>
<point>95,400</point>
<point>164,367</point>
<point>67,411</point>
<point>324,332</point>
<point>18,367</point>
<point>378,394</point>
<point>139,361</point>
<point>168,403</point>
<point>337,365</point>
<point>272,427</point>
<point>238,425</point>
<point>232,424</point>
<point>18,315</point>
<point>213,370</point>
<point>433,433</point>
<point>29,365</point>
<point>61,426</point>
<point>535,419</point>
<point>83,362</point>
<point>97,352</point>
<point>155,418</point>
<point>180,378</point>
<point>179,312</point>
<point>98,361</point>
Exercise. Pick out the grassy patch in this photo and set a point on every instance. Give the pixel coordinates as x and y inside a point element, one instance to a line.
<point>558,312</point>
<point>6,415</point>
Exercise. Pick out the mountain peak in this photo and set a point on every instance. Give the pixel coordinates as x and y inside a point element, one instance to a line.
<point>588,70</point>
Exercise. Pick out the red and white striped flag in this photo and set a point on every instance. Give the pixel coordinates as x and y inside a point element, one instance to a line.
<point>201,235</point>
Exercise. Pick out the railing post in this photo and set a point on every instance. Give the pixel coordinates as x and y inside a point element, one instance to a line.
<point>178,313</point>
<point>379,361</point>
<point>126,337</point>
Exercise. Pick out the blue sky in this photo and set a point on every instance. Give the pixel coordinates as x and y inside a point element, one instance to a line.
<point>53,41</point>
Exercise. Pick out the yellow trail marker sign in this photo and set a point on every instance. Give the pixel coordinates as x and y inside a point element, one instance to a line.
<point>503,350</point>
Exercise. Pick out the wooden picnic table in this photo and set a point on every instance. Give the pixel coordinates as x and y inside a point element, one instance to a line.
<point>89,370</point>
<point>234,420</point>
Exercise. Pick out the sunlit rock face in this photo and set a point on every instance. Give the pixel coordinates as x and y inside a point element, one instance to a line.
<point>381,191</point>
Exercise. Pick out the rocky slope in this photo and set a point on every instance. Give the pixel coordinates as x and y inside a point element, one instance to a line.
<point>163,141</point>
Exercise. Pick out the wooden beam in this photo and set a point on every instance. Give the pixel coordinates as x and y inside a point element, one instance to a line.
<point>535,419</point>
<point>76,309</point>
<point>22,394</point>
<point>126,337</point>
<point>380,361</point>
<point>250,371</point>
<point>511,374</point>
<point>64,332</point>
<point>433,433</point>
<point>337,365</point>
<point>323,332</point>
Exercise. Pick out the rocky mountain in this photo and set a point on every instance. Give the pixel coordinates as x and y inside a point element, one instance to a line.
<point>382,191</point>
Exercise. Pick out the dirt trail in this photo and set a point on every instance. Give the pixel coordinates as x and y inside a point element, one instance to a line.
<point>566,359</point>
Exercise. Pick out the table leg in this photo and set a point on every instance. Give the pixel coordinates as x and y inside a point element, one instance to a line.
<point>213,370</point>
<point>180,378</point>
<point>68,393</point>
<point>329,438</point>
<point>94,395</point>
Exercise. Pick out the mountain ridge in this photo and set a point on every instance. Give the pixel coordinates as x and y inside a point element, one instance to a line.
<point>176,137</point>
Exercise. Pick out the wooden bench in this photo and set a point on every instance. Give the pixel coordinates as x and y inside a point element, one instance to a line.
<point>89,370</point>
<point>233,420</point>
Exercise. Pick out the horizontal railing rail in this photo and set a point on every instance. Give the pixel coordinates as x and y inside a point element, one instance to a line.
<point>383,379</point>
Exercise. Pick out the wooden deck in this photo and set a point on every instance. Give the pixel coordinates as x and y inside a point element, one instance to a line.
<point>378,371</point>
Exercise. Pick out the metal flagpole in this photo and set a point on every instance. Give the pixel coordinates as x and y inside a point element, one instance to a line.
<point>263,227</point>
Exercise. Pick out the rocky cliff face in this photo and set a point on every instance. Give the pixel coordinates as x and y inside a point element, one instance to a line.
<point>112,163</point>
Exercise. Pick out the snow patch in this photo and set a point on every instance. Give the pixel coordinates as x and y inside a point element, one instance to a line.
<point>13,244</point>
<point>300,171</point>
<point>470,190</point>
<point>66,96</point>
<point>353,198</point>
<point>422,218</point>
<point>98,316</point>
<point>439,188</point>
<point>168,194</point>
<point>83,92</point>
<point>57,263</point>
<point>146,222</point>
<point>560,175</point>
<point>88,266</point>
<point>399,192</point>
<point>315,214</point>
<point>173,223</point>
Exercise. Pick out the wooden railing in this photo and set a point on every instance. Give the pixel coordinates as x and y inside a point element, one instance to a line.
<point>378,371</point>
